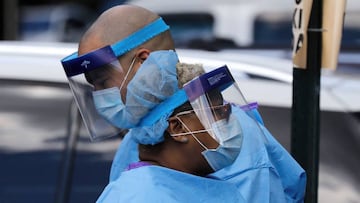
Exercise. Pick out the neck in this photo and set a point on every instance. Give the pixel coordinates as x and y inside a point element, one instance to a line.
<point>151,154</point>
<point>174,155</point>
<point>164,155</point>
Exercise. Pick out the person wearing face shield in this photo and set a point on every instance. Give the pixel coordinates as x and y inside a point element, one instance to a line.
<point>198,139</point>
<point>210,131</point>
<point>102,74</point>
<point>244,152</point>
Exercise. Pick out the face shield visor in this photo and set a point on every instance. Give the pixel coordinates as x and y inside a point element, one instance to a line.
<point>216,100</point>
<point>212,97</point>
<point>100,70</point>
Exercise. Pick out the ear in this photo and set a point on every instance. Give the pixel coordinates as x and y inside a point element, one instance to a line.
<point>176,127</point>
<point>143,53</point>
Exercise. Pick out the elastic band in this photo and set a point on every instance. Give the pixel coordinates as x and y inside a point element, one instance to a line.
<point>189,131</point>
<point>164,108</point>
<point>139,37</point>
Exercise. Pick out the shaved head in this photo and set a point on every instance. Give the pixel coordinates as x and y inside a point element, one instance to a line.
<point>115,24</point>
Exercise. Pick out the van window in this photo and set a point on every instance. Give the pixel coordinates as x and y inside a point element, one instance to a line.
<point>189,28</point>
<point>351,32</point>
<point>275,30</point>
<point>272,30</point>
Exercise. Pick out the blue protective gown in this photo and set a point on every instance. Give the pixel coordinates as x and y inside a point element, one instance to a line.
<point>160,184</point>
<point>263,172</point>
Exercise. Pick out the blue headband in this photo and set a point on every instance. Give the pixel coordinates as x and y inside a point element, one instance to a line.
<point>75,65</point>
<point>139,37</point>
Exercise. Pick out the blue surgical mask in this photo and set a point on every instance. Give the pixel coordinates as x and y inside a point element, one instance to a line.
<point>154,81</point>
<point>229,134</point>
<point>109,105</point>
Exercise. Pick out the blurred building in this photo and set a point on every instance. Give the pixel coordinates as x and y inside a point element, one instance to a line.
<point>41,20</point>
<point>203,24</point>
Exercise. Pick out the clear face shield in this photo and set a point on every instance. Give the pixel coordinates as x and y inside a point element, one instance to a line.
<point>212,97</point>
<point>99,72</point>
<point>221,109</point>
<point>100,69</point>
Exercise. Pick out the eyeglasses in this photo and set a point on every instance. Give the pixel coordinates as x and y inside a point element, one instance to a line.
<point>219,112</point>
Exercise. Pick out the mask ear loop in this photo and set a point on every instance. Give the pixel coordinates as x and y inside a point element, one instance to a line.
<point>127,74</point>
<point>191,133</point>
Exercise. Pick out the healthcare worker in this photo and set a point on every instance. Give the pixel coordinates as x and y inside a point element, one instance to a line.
<point>262,170</point>
<point>123,39</point>
<point>198,135</point>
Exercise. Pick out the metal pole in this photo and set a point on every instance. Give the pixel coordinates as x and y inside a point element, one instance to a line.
<point>305,129</point>
<point>63,189</point>
<point>9,19</point>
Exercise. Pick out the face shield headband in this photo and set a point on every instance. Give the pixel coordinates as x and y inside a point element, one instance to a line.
<point>99,67</point>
